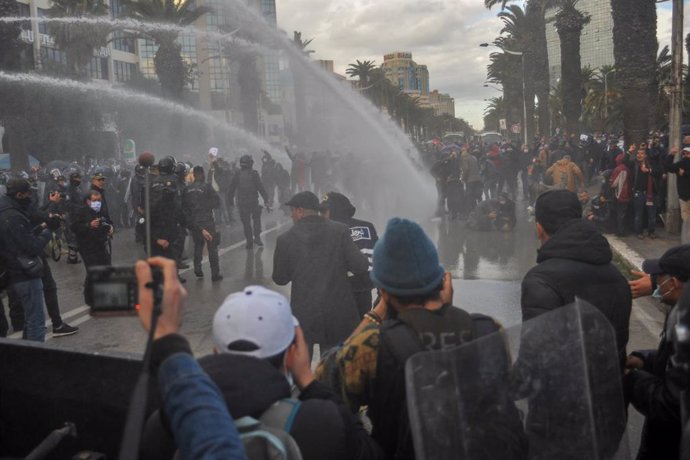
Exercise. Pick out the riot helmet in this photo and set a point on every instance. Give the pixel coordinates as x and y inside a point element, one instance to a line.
<point>246,162</point>
<point>166,165</point>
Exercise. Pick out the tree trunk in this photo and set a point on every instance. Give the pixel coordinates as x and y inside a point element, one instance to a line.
<point>635,47</point>
<point>248,79</point>
<point>14,144</point>
<point>539,75</point>
<point>569,25</point>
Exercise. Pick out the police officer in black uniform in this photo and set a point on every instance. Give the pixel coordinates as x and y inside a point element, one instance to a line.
<point>180,173</point>
<point>74,200</point>
<point>165,210</point>
<point>198,202</point>
<point>248,186</point>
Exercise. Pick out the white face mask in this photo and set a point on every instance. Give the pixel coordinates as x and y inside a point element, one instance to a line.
<point>95,205</point>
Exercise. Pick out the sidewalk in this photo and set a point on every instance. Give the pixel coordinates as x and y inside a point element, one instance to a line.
<point>634,251</point>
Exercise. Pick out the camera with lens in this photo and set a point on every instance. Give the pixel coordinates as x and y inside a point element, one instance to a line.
<point>104,223</point>
<point>113,290</point>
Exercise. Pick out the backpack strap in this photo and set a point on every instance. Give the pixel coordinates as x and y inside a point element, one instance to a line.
<point>282,414</point>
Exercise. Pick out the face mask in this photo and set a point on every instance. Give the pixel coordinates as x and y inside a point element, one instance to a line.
<point>95,205</point>
<point>657,294</point>
<point>25,202</point>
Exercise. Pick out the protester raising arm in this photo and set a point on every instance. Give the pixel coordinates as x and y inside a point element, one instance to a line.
<point>198,416</point>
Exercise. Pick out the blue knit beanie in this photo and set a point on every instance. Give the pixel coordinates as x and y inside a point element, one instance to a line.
<point>405,260</point>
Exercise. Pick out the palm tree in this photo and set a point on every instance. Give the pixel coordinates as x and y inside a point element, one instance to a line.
<point>302,44</point>
<point>78,41</point>
<point>602,104</point>
<point>362,70</point>
<point>10,46</point>
<point>494,111</point>
<point>518,31</point>
<point>635,51</point>
<point>536,58</point>
<point>173,73</point>
<point>659,117</point>
<point>569,24</point>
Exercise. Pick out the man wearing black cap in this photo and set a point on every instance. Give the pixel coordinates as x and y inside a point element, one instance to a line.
<point>20,254</point>
<point>315,255</point>
<point>574,261</point>
<point>337,207</point>
<point>652,383</point>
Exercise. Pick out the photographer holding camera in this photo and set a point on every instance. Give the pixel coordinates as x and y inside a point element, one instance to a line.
<point>21,253</point>
<point>195,409</point>
<point>92,230</point>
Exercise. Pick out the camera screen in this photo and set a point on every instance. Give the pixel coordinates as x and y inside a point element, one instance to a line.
<point>112,296</point>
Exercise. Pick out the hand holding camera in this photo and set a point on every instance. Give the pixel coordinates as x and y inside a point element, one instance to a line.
<point>174,295</point>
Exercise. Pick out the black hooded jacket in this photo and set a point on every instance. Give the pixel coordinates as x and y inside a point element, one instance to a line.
<point>18,237</point>
<point>323,428</point>
<point>576,262</point>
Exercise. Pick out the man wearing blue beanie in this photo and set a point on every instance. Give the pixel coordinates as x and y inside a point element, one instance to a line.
<point>415,313</point>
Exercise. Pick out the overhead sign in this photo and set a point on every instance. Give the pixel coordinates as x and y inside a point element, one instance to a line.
<point>129,151</point>
<point>515,128</point>
<point>502,123</point>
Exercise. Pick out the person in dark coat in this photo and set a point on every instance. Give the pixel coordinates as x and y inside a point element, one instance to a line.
<point>315,255</point>
<point>574,261</point>
<point>198,202</point>
<point>98,184</point>
<point>653,383</point>
<point>92,231</point>
<point>248,186</point>
<point>337,207</point>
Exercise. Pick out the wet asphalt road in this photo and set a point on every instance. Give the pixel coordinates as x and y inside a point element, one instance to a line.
<point>487,268</point>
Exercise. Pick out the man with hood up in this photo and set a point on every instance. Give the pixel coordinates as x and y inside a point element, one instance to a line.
<point>574,261</point>
<point>315,255</point>
<point>337,207</point>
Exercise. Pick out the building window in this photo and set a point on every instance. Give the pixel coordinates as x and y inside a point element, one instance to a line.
<point>123,41</point>
<point>98,68</point>
<point>42,26</point>
<point>123,70</point>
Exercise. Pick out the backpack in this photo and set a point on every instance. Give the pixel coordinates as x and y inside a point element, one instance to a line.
<point>269,437</point>
<point>398,341</point>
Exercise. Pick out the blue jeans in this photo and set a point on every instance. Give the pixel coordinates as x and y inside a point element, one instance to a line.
<point>639,205</point>
<point>30,294</point>
<point>197,412</point>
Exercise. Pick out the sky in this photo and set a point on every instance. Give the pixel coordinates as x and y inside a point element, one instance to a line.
<point>443,34</point>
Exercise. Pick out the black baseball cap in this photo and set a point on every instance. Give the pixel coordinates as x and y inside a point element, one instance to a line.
<point>17,185</point>
<point>305,200</point>
<point>675,262</point>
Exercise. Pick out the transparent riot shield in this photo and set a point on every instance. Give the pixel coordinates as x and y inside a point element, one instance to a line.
<point>549,388</point>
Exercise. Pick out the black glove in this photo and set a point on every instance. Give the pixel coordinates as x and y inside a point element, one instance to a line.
<point>54,223</point>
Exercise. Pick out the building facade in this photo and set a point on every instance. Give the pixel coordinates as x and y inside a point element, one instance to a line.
<point>596,41</point>
<point>443,104</point>
<point>402,71</point>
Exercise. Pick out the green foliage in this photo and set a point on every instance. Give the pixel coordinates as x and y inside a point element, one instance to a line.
<point>171,69</point>
<point>78,41</point>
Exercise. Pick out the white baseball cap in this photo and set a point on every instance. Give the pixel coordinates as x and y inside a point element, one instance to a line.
<point>255,322</point>
<point>213,151</point>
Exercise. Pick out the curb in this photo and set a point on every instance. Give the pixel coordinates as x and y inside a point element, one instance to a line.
<point>625,253</point>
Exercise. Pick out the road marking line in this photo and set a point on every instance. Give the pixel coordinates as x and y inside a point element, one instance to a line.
<point>647,320</point>
<point>83,308</point>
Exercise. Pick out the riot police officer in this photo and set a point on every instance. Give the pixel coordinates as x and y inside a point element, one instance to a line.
<point>248,186</point>
<point>165,210</point>
<point>75,200</point>
<point>198,202</point>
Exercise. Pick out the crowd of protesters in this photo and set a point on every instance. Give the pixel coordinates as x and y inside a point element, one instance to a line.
<point>260,379</point>
<point>630,186</point>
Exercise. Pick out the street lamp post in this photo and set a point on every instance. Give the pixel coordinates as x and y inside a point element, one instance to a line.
<point>524,92</point>
<point>673,223</point>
